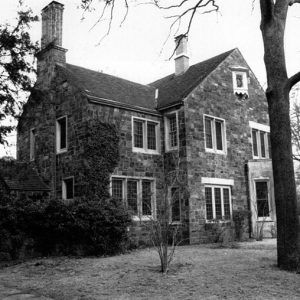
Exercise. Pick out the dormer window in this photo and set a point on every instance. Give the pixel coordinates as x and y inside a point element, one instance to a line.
<point>240,81</point>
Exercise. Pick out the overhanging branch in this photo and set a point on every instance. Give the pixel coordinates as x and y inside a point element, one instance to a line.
<point>292,80</point>
<point>293,2</point>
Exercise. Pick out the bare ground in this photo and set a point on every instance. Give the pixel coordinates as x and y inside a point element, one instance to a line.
<point>198,272</point>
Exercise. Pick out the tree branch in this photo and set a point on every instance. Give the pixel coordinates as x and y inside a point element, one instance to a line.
<point>293,2</point>
<point>292,81</point>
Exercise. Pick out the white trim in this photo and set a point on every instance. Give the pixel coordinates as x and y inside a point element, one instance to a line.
<point>64,188</point>
<point>58,133</point>
<point>221,187</point>
<point>32,136</point>
<point>214,138</point>
<point>263,179</point>
<point>259,126</point>
<point>139,180</point>
<point>244,88</point>
<point>217,181</point>
<point>167,130</point>
<point>145,132</point>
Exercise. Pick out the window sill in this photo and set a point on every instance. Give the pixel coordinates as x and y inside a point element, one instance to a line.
<point>172,149</point>
<point>208,150</point>
<point>143,218</point>
<point>267,219</point>
<point>217,221</point>
<point>145,151</point>
<point>61,151</point>
<point>241,91</point>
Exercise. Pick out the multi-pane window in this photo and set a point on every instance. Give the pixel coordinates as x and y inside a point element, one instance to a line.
<point>68,188</point>
<point>262,199</point>
<point>218,203</point>
<point>145,136</point>
<point>175,204</point>
<point>261,147</point>
<point>138,134</point>
<point>171,127</point>
<point>137,194</point>
<point>117,189</point>
<point>32,143</point>
<point>132,196</point>
<point>61,134</point>
<point>214,134</point>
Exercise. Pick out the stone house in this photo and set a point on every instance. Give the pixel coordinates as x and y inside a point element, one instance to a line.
<point>200,135</point>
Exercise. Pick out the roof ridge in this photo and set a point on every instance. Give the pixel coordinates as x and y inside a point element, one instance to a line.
<point>106,74</point>
<point>196,64</point>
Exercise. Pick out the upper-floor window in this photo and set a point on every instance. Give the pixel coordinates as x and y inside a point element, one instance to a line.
<point>215,134</point>
<point>261,146</point>
<point>138,195</point>
<point>240,80</point>
<point>68,188</point>
<point>171,131</point>
<point>61,134</point>
<point>145,136</point>
<point>32,143</point>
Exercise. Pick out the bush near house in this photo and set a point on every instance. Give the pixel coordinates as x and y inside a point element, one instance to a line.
<point>29,228</point>
<point>95,225</point>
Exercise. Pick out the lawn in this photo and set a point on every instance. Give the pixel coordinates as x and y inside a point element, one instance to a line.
<point>198,272</point>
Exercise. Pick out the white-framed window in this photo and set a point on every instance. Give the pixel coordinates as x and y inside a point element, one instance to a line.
<point>215,134</point>
<point>261,145</point>
<point>240,81</point>
<point>175,204</point>
<point>61,134</point>
<point>262,195</point>
<point>68,188</point>
<point>218,202</point>
<point>145,135</point>
<point>172,131</point>
<point>137,193</point>
<point>32,135</point>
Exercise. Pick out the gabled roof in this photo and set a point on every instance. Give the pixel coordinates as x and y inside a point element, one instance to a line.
<point>20,176</point>
<point>109,87</point>
<point>172,89</point>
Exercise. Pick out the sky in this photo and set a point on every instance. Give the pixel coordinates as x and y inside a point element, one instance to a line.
<point>139,49</point>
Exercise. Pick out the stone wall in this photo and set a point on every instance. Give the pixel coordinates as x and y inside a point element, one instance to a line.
<point>215,97</point>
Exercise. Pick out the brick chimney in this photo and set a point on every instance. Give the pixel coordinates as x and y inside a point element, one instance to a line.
<point>182,58</point>
<point>51,52</point>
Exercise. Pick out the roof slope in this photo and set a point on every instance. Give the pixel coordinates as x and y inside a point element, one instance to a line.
<point>20,176</point>
<point>109,87</point>
<point>173,89</point>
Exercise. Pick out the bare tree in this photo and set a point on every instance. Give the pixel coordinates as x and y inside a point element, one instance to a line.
<point>165,228</point>
<point>273,21</point>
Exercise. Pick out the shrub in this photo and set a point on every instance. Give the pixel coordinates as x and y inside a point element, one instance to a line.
<point>240,219</point>
<point>81,228</point>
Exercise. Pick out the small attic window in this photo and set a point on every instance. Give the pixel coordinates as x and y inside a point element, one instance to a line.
<point>240,81</point>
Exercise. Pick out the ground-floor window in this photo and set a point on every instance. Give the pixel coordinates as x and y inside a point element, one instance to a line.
<point>262,199</point>
<point>175,205</point>
<point>137,193</point>
<point>218,202</point>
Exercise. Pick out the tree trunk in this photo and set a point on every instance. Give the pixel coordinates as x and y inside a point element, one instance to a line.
<point>277,93</point>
